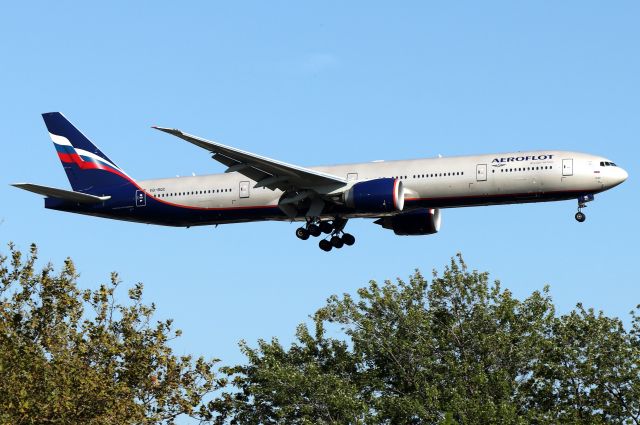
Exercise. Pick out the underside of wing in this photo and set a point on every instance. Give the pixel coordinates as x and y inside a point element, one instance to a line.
<point>267,172</point>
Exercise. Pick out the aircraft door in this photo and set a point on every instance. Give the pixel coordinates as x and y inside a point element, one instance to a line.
<point>481,172</point>
<point>567,167</point>
<point>141,198</point>
<point>244,189</point>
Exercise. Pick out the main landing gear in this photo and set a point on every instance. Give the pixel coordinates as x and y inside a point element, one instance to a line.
<point>582,203</point>
<point>337,237</point>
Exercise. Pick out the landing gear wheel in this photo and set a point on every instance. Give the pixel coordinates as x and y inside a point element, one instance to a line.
<point>337,242</point>
<point>314,230</point>
<point>302,233</point>
<point>325,245</point>
<point>326,227</point>
<point>348,239</point>
<point>580,217</point>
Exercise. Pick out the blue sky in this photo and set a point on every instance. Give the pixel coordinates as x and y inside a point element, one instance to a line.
<point>319,84</point>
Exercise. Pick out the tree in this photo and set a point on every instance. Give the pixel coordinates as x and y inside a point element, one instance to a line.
<point>458,350</point>
<point>77,356</point>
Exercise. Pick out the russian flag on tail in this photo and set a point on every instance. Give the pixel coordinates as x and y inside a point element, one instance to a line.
<point>89,170</point>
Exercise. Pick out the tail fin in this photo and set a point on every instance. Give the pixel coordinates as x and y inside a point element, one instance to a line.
<point>88,169</point>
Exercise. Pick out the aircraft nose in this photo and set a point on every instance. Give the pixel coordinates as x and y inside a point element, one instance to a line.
<point>618,176</point>
<point>623,175</point>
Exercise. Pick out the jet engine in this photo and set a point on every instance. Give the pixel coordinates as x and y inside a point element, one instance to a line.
<point>379,195</point>
<point>423,221</point>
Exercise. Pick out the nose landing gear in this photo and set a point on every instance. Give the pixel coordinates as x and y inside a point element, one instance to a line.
<point>582,203</point>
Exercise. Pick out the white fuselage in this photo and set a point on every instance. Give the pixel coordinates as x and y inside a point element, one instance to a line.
<point>516,177</point>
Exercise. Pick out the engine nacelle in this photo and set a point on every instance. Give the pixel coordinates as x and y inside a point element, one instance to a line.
<point>379,195</point>
<point>423,221</point>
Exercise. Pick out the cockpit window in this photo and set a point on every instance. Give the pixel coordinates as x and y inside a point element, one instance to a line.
<point>607,164</point>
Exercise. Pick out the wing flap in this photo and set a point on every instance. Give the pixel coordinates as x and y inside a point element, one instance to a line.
<point>67,195</point>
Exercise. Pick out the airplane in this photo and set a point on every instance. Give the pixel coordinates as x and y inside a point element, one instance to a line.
<point>405,196</point>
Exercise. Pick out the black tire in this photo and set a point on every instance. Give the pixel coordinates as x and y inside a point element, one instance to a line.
<point>348,239</point>
<point>580,217</point>
<point>337,242</point>
<point>326,227</point>
<point>314,230</point>
<point>325,245</point>
<point>302,233</point>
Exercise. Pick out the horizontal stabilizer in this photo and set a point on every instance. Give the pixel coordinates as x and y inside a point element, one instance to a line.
<point>67,195</point>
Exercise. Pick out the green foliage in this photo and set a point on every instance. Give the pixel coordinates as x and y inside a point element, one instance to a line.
<point>77,356</point>
<point>458,350</point>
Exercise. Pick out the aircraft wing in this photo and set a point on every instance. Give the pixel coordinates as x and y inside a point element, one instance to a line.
<point>67,195</point>
<point>267,172</point>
